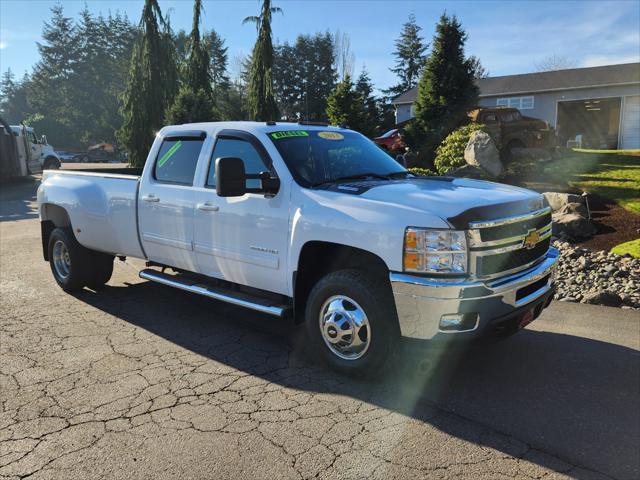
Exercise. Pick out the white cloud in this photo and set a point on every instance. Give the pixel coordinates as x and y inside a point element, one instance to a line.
<point>598,60</point>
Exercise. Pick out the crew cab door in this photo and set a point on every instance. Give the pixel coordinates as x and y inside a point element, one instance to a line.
<point>242,239</point>
<point>166,201</point>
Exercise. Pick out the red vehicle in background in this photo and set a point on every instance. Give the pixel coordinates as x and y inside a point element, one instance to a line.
<point>391,141</point>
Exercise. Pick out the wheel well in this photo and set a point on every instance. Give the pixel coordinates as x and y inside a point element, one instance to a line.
<point>317,259</point>
<point>52,216</point>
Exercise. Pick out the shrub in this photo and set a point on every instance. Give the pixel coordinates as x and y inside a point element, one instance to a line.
<point>424,172</point>
<point>450,153</point>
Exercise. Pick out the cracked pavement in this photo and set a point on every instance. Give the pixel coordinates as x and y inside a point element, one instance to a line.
<point>142,381</point>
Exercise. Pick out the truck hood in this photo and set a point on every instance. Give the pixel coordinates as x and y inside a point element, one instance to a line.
<point>456,200</point>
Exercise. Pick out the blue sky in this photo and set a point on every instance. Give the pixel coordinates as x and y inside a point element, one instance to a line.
<point>508,36</point>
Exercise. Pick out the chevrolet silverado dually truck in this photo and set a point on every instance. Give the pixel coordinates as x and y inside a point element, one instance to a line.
<point>314,224</point>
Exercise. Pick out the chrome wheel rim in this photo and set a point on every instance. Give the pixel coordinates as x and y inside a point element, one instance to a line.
<point>61,259</point>
<point>344,327</point>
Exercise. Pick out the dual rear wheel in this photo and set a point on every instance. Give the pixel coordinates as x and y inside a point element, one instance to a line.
<point>74,266</point>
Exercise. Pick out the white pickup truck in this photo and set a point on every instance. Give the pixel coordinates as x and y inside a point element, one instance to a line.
<point>311,223</point>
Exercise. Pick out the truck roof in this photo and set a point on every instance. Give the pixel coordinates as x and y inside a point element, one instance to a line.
<point>250,127</point>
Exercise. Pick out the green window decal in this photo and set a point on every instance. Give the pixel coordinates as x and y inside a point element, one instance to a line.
<point>289,134</point>
<point>169,153</point>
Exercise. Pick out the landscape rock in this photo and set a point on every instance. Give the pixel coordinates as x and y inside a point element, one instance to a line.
<point>597,277</point>
<point>557,200</point>
<point>573,207</point>
<point>481,151</point>
<point>603,297</point>
<point>572,225</point>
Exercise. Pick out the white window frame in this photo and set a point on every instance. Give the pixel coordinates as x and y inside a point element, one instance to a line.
<point>516,102</point>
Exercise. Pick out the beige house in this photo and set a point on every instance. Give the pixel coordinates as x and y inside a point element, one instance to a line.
<point>598,105</point>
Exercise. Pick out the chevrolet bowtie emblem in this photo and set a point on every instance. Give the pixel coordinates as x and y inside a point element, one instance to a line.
<point>531,240</point>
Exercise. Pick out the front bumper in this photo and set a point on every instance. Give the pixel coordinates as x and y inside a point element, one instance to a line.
<point>421,302</point>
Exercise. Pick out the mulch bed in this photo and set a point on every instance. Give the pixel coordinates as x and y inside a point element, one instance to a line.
<point>615,225</point>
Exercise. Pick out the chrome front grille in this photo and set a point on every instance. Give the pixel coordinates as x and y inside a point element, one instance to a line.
<point>506,245</point>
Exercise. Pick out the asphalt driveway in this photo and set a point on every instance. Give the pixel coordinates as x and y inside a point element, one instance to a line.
<point>141,381</point>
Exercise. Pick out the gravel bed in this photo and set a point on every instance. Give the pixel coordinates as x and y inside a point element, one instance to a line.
<point>597,277</point>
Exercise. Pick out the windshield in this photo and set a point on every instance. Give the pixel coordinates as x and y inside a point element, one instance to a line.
<point>315,157</point>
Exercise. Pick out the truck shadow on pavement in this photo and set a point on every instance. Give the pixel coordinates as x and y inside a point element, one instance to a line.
<point>570,396</point>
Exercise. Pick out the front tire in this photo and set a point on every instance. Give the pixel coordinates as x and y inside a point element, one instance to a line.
<point>74,266</point>
<point>351,322</point>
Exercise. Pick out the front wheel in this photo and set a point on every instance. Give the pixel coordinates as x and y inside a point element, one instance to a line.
<point>351,322</point>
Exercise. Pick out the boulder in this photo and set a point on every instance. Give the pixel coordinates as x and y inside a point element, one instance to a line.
<point>572,225</point>
<point>558,200</point>
<point>481,152</point>
<point>469,171</point>
<point>603,297</point>
<point>573,207</point>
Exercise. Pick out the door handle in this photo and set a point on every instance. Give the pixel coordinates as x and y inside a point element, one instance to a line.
<point>151,198</point>
<point>208,207</point>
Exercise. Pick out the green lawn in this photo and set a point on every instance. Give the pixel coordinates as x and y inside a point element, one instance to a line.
<point>632,248</point>
<point>612,176</point>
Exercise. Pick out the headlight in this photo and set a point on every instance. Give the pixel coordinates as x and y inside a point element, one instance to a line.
<point>434,251</point>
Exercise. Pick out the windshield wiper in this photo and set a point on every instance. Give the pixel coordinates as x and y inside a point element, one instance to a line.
<point>359,176</point>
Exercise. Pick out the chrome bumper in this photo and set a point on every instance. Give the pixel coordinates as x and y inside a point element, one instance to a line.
<point>421,302</point>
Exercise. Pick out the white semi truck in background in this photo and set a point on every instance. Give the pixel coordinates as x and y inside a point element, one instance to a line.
<point>22,153</point>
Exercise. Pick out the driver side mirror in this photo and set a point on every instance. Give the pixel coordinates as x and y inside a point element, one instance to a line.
<point>231,180</point>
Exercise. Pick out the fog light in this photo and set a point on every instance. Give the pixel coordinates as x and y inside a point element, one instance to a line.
<point>458,322</point>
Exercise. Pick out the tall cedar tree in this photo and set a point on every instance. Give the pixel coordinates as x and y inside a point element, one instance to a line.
<point>194,102</point>
<point>345,106</point>
<point>262,102</point>
<point>410,57</point>
<point>364,89</point>
<point>50,91</point>
<point>151,86</point>
<point>446,92</point>
<point>304,76</point>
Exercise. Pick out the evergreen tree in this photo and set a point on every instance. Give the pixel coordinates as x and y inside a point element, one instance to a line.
<point>364,89</point>
<point>305,76</point>
<point>194,102</point>
<point>262,102</point>
<point>214,44</point>
<point>446,92</point>
<point>151,85</point>
<point>50,91</point>
<point>13,99</point>
<point>410,57</point>
<point>345,106</point>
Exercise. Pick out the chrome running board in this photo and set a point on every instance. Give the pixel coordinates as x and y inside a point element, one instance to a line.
<point>240,299</point>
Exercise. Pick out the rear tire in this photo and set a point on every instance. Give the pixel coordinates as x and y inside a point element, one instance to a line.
<point>351,322</point>
<point>51,164</point>
<point>74,266</point>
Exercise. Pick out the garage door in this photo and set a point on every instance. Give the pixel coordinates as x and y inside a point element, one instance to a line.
<point>631,123</point>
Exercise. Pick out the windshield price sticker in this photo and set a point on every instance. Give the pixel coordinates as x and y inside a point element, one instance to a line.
<point>289,134</point>
<point>331,135</point>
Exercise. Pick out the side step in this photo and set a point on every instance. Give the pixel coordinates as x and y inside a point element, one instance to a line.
<point>222,294</point>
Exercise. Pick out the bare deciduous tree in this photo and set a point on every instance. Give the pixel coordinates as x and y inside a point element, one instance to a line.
<point>345,59</point>
<point>554,62</point>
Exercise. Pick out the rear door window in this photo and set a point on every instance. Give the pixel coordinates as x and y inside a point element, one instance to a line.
<point>177,160</point>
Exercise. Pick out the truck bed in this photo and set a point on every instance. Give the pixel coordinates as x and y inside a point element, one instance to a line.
<point>101,204</point>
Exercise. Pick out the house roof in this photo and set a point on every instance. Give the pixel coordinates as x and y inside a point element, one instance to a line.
<point>573,78</point>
